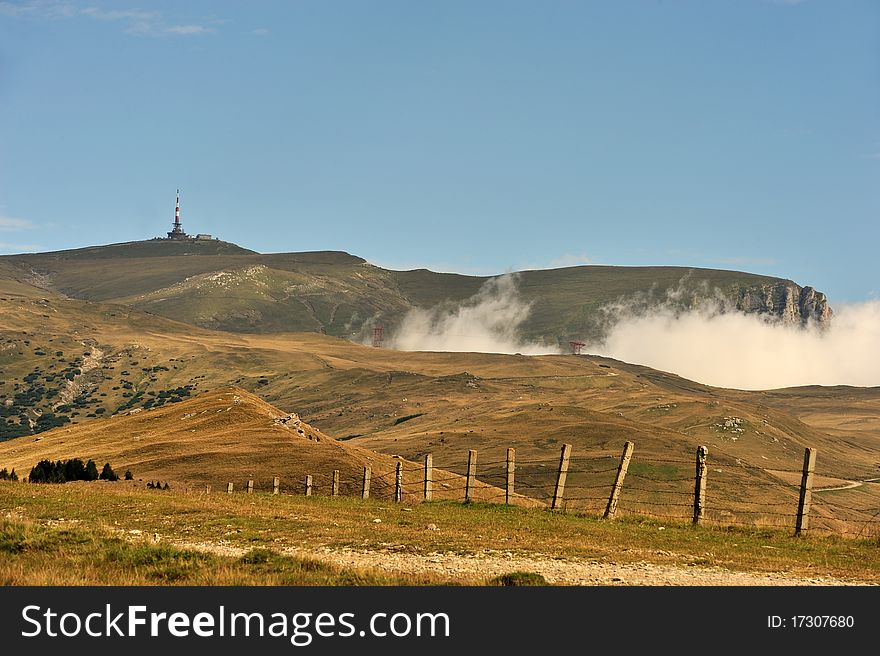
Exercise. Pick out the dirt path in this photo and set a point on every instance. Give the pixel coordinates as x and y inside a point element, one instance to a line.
<point>479,567</point>
<point>848,486</point>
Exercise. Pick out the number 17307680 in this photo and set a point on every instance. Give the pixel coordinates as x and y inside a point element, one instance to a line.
<point>811,622</point>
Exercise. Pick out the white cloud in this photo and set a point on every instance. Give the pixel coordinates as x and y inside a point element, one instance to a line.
<point>8,248</point>
<point>187,30</point>
<point>261,31</point>
<point>134,21</point>
<point>488,322</point>
<point>38,9</point>
<point>8,224</point>
<point>115,14</point>
<point>713,345</point>
<point>156,28</point>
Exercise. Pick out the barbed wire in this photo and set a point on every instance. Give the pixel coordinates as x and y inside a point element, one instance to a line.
<point>755,484</point>
<point>753,512</point>
<point>592,471</point>
<point>631,488</point>
<point>827,502</point>
<point>660,480</point>
<point>778,504</point>
<point>654,503</point>
<point>664,460</point>
<point>587,498</point>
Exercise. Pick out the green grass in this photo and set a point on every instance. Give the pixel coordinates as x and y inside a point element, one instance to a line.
<point>262,526</point>
<point>658,472</point>
<point>35,554</point>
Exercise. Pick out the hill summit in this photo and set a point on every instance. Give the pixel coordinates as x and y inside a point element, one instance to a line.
<point>149,248</point>
<point>226,434</point>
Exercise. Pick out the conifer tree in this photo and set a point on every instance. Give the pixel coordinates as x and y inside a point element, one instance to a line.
<point>91,473</point>
<point>107,474</point>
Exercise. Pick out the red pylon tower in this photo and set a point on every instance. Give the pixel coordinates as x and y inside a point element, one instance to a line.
<point>176,228</point>
<point>378,336</point>
<point>576,347</point>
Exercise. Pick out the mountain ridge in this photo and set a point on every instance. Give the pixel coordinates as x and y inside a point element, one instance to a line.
<point>220,285</point>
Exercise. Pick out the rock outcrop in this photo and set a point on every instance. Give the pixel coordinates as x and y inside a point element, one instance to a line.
<point>789,302</point>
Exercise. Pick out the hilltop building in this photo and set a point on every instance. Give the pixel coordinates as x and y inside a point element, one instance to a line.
<point>177,233</point>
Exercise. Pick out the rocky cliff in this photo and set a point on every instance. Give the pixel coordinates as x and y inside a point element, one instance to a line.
<point>790,302</point>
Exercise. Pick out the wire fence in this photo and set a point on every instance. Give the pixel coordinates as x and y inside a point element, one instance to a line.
<point>726,492</point>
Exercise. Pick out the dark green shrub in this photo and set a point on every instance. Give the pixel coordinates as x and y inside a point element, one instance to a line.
<point>519,578</point>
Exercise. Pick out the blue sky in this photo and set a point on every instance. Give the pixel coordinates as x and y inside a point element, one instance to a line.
<point>471,136</point>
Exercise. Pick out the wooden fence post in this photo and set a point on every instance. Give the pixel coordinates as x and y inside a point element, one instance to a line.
<point>365,490</point>
<point>511,475</point>
<point>429,477</point>
<point>561,475</point>
<point>276,484</point>
<point>614,499</point>
<point>335,487</point>
<point>471,475</point>
<point>229,488</point>
<point>250,487</point>
<point>806,498</point>
<point>398,482</point>
<point>700,485</point>
<point>309,485</point>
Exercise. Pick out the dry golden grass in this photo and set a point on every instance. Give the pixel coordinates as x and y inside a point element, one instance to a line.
<point>227,435</point>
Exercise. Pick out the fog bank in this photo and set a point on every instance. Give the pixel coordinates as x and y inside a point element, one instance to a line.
<point>711,343</point>
<point>488,322</point>
<point>732,349</point>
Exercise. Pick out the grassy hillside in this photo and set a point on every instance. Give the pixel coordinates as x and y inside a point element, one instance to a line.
<point>221,436</point>
<point>222,286</point>
<point>71,364</point>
